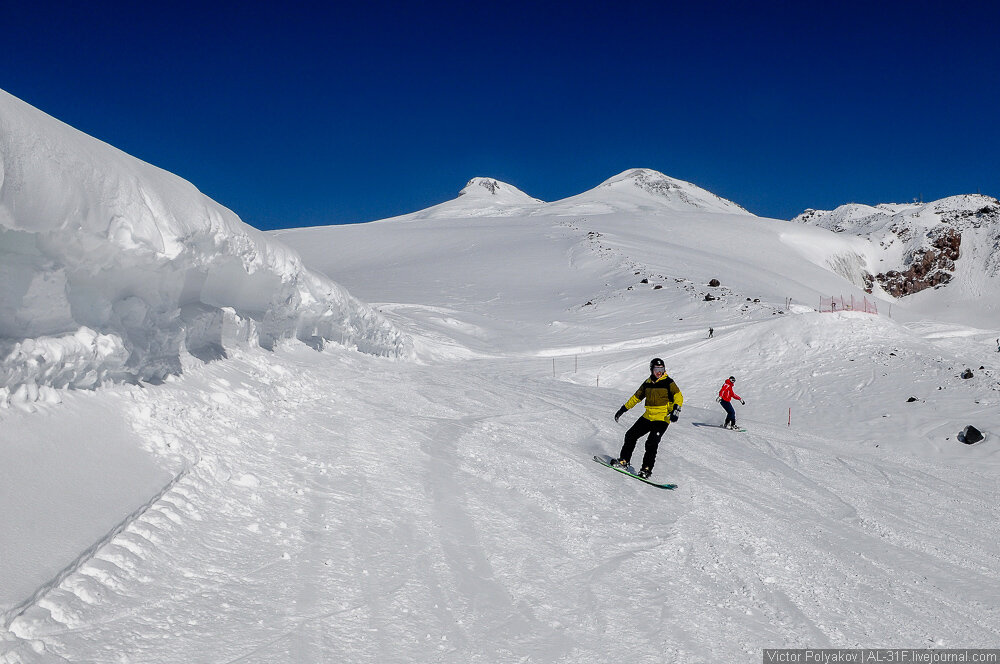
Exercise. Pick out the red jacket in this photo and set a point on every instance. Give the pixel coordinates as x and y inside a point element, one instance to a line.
<point>726,393</point>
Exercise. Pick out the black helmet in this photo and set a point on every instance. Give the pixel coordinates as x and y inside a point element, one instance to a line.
<point>732,379</point>
<point>656,362</point>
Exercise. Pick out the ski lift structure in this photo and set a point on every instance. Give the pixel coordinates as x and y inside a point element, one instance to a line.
<point>841,303</point>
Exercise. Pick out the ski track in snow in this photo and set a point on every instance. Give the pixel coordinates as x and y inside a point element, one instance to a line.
<point>464,522</point>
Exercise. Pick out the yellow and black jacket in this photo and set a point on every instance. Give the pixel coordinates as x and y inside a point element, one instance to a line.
<point>661,396</point>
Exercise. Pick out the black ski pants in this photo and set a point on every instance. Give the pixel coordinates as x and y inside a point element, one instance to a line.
<point>641,427</point>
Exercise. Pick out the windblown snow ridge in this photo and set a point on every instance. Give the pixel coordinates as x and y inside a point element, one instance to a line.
<point>114,270</point>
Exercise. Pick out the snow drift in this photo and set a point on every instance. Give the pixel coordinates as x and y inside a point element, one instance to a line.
<point>113,269</point>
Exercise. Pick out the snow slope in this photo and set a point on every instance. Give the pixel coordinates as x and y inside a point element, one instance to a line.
<point>541,297</point>
<point>116,270</point>
<point>112,271</point>
<point>300,506</point>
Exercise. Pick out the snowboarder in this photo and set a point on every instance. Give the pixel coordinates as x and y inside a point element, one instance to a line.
<point>711,331</point>
<point>663,406</point>
<point>725,394</point>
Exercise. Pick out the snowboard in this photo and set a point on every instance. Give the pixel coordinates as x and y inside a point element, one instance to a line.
<point>716,426</point>
<point>605,460</point>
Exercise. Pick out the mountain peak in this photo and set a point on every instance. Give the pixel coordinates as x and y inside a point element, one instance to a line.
<point>644,189</point>
<point>645,178</point>
<point>637,190</point>
<point>492,188</point>
<point>481,197</point>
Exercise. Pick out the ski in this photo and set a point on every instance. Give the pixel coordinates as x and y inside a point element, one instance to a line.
<point>605,460</point>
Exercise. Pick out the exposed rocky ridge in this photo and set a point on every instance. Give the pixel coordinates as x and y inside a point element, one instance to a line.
<point>929,266</point>
<point>923,242</point>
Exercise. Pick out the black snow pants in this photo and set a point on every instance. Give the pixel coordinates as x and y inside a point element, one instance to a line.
<point>641,427</point>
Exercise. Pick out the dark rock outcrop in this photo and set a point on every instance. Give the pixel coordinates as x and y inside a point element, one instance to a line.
<point>930,266</point>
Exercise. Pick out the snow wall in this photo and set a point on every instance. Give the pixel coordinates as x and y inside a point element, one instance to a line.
<point>114,270</point>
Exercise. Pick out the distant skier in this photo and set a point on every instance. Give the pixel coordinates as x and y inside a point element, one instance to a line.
<point>725,395</point>
<point>711,331</point>
<point>663,405</point>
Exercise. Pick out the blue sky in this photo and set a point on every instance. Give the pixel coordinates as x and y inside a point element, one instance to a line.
<point>334,113</point>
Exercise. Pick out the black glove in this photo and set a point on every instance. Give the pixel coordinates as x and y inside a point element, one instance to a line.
<point>621,411</point>
<point>742,402</point>
<point>675,413</point>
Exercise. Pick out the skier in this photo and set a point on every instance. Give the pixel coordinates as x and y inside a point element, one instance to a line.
<point>711,331</point>
<point>663,405</point>
<point>725,394</point>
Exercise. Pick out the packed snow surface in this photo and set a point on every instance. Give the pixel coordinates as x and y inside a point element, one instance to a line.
<point>289,504</point>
